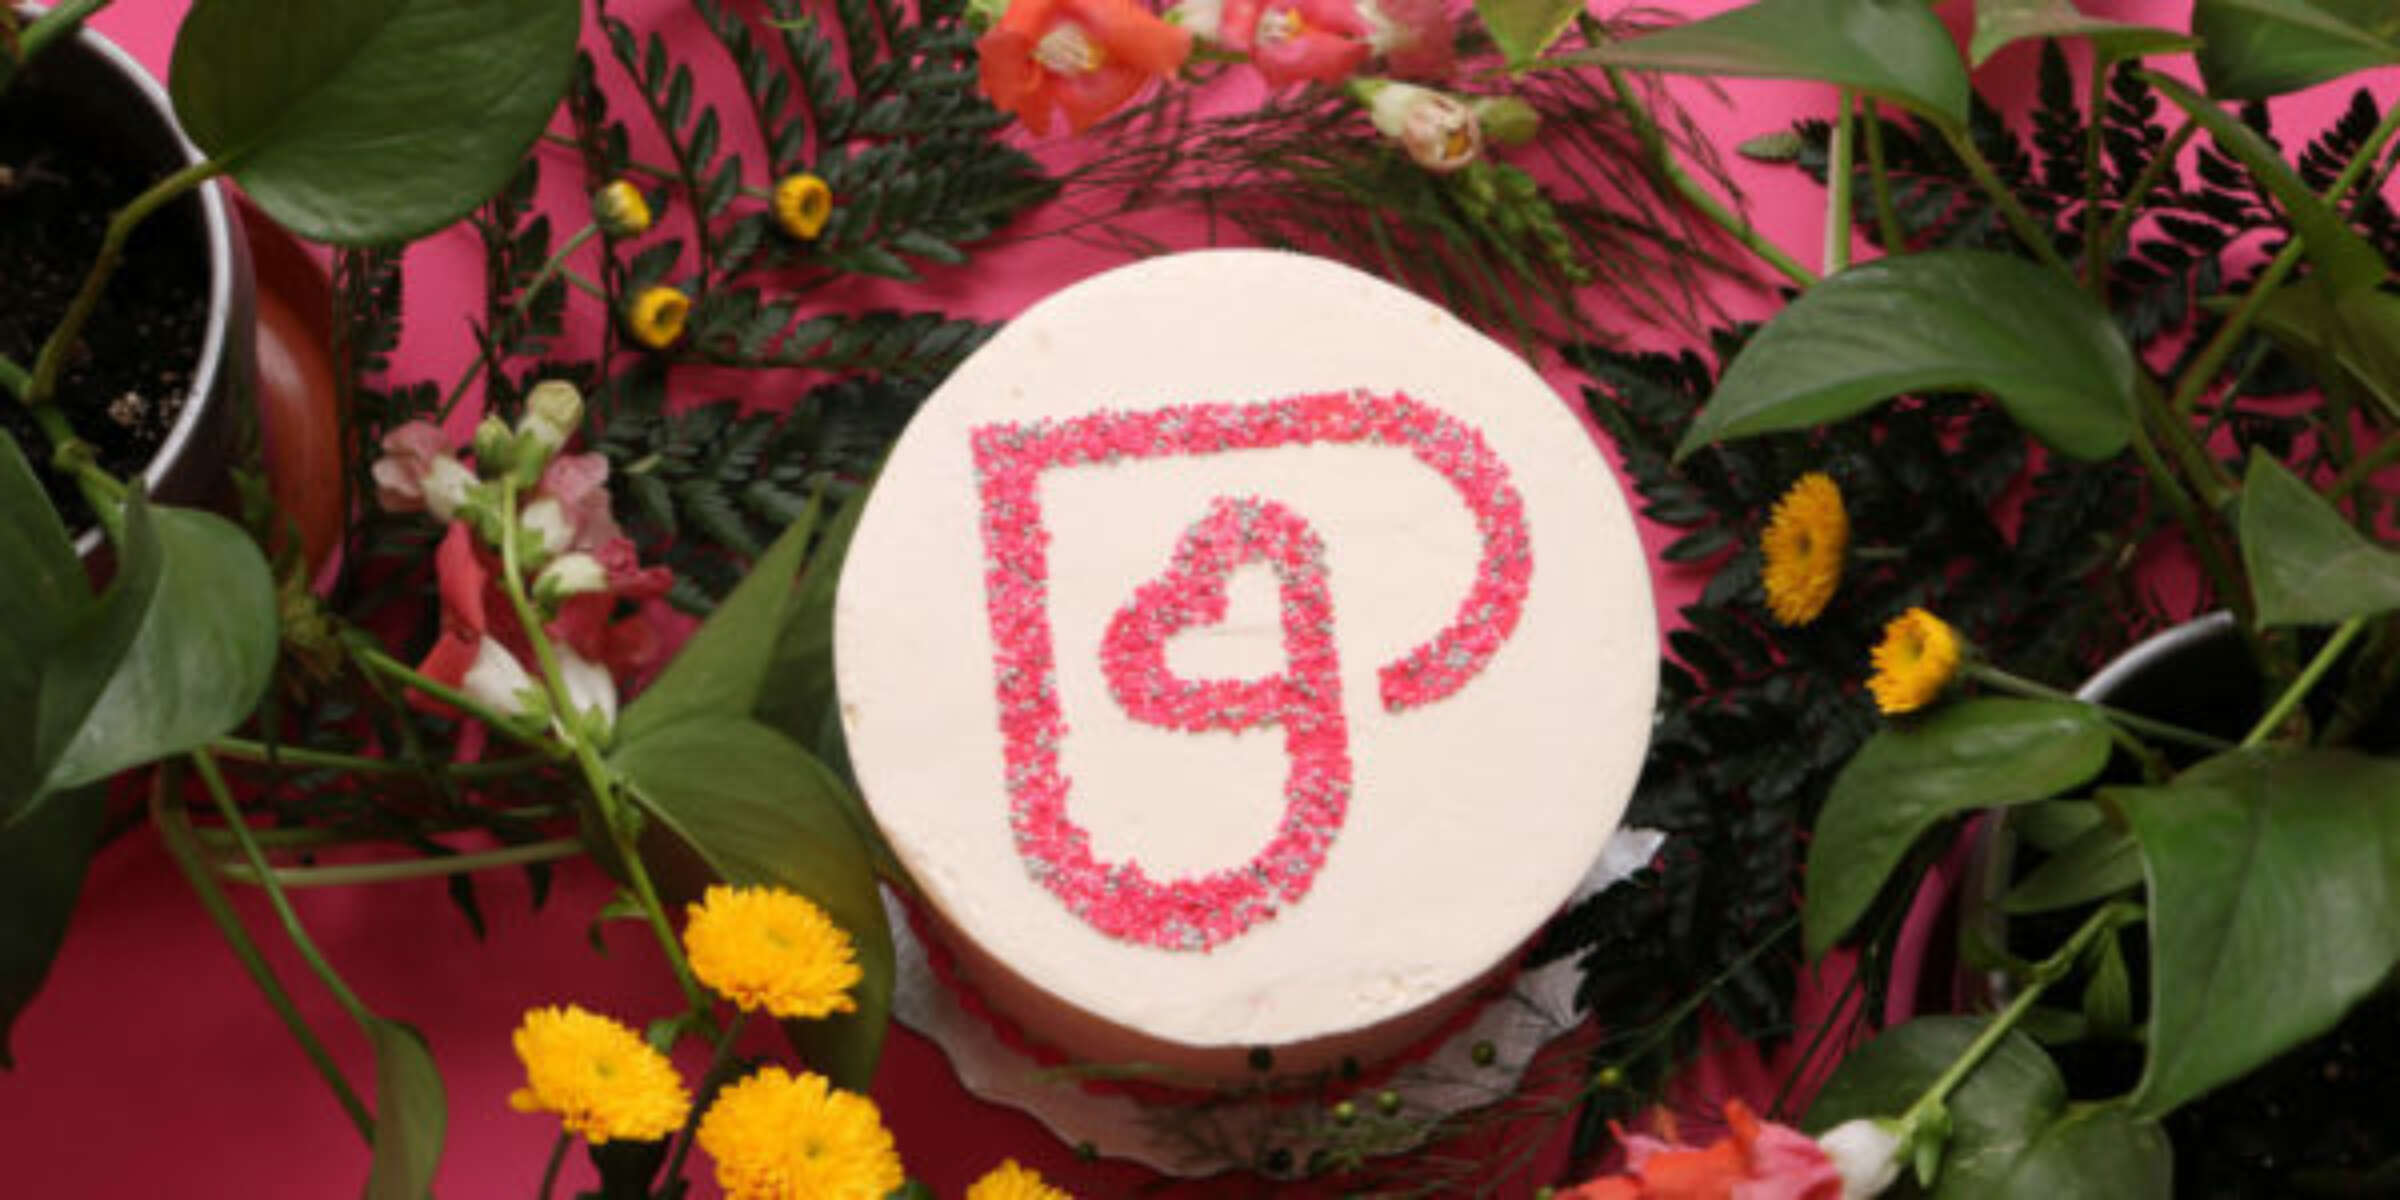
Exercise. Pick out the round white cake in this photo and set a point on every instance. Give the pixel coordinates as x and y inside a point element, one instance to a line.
<point>1239,651</point>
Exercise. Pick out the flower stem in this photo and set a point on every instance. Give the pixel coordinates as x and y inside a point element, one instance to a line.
<point>52,362</point>
<point>2011,209</point>
<point>245,750</point>
<point>558,1158</point>
<point>417,868</point>
<point>175,830</point>
<point>709,1083</point>
<point>2046,972</point>
<point>1840,178</point>
<point>516,311</point>
<point>2161,730</point>
<point>1662,159</point>
<point>2309,676</point>
<point>240,828</point>
<point>1887,214</point>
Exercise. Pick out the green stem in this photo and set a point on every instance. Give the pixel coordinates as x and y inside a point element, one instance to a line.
<point>2360,470</point>
<point>550,269</point>
<point>317,838</point>
<point>717,1062</point>
<point>52,361</point>
<point>2298,691</point>
<point>240,828</point>
<point>595,774</point>
<point>2050,970</point>
<point>175,830</point>
<point>2011,209</point>
<point>419,868</point>
<point>1840,178</point>
<point>245,750</point>
<point>14,378</point>
<point>558,1158</point>
<point>1662,159</point>
<point>2197,533</point>
<point>2130,207</point>
<point>586,286</point>
<point>1887,214</point>
<point>2095,256</point>
<point>523,733</point>
<point>2212,357</point>
<point>2163,731</point>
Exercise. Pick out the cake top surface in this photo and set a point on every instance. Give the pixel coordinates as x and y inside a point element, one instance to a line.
<point>1244,650</point>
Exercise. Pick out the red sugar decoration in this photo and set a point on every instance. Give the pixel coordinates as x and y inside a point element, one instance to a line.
<point>1120,899</point>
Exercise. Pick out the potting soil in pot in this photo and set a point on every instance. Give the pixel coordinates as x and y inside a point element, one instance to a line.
<point>131,371</point>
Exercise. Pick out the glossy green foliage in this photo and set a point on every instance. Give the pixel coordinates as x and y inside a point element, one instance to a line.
<point>2307,564</point>
<point>2252,49</point>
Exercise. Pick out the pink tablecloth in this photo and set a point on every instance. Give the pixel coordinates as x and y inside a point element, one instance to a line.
<point>151,1068</point>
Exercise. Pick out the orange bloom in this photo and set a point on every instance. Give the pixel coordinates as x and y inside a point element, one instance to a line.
<point>1079,57</point>
<point>1755,1160</point>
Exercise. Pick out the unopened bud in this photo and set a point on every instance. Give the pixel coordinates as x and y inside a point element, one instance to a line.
<point>569,575</point>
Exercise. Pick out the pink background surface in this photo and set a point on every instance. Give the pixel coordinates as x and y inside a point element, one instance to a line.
<point>150,1067</point>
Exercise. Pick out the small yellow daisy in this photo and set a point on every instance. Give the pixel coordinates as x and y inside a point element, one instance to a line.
<point>778,1136</point>
<point>604,1082</point>
<point>764,947</point>
<point>1804,544</point>
<point>1918,658</point>
<point>656,317</point>
<point>621,210</point>
<point>803,203</point>
<point>1008,1181</point>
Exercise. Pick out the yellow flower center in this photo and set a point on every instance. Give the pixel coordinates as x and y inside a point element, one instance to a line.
<point>1068,50</point>
<point>1279,26</point>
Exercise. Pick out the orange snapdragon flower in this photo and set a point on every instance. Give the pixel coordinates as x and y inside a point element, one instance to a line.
<point>1755,1160</point>
<point>1079,57</point>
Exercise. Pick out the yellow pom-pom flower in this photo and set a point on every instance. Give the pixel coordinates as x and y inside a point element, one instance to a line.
<point>1008,1181</point>
<point>620,209</point>
<point>803,203</point>
<point>656,317</point>
<point>767,948</point>
<point>1804,544</point>
<point>1918,658</point>
<point>778,1136</point>
<point>604,1082</point>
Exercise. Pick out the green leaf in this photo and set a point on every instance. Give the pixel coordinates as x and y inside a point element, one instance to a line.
<point>2108,997</point>
<point>759,810</point>
<point>2350,339</point>
<point>43,591</point>
<point>2102,862</point>
<point>1994,1114</point>
<point>368,122</point>
<point>178,651</point>
<point>2091,1152</point>
<point>2348,260</point>
<point>2253,49</point>
<point>1896,50</point>
<point>719,671</point>
<point>1974,754</point>
<point>2307,565</point>
<point>42,862</point>
<point>1943,320</point>
<point>2274,906</point>
<point>2000,22</point>
<point>1522,29</point>
<point>410,1113</point>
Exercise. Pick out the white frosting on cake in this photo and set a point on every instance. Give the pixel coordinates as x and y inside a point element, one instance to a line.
<point>1471,817</point>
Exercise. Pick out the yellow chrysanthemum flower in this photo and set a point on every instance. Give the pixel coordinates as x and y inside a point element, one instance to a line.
<point>1919,656</point>
<point>604,1082</point>
<point>764,947</point>
<point>1804,544</point>
<point>778,1136</point>
<point>803,203</point>
<point>1008,1181</point>
<point>656,317</point>
<point>620,208</point>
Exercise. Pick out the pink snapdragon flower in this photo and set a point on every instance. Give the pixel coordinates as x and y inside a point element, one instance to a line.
<point>418,473</point>
<point>1755,1160</point>
<point>1298,41</point>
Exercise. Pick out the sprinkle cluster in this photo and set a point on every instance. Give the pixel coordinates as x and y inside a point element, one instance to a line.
<point>1120,899</point>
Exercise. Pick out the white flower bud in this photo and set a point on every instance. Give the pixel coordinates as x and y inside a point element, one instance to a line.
<point>552,411</point>
<point>1866,1152</point>
<point>1205,18</point>
<point>569,575</point>
<point>499,682</point>
<point>1437,129</point>
<point>495,447</point>
<point>591,691</point>
<point>445,485</point>
<point>543,528</point>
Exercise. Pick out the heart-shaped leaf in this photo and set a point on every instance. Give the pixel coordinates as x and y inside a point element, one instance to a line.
<point>720,670</point>
<point>758,810</point>
<point>799,698</point>
<point>1975,754</point>
<point>2348,260</point>
<point>2100,863</point>
<point>42,862</point>
<point>1896,50</point>
<point>366,122</point>
<point>2001,22</point>
<point>2274,906</point>
<point>1522,29</point>
<point>2090,1152</point>
<point>2253,49</point>
<point>1940,321</point>
<point>43,591</point>
<point>178,651</point>
<point>2012,1094</point>
<point>410,1114</point>
<point>2307,565</point>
